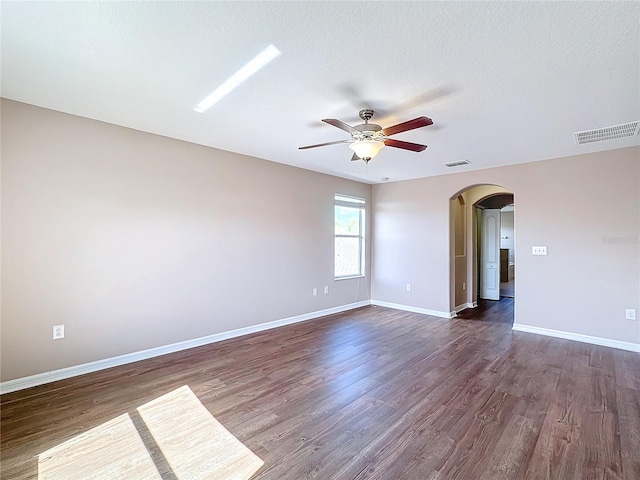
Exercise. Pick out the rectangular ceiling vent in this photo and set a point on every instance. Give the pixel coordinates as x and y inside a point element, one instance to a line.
<point>608,133</point>
<point>458,163</point>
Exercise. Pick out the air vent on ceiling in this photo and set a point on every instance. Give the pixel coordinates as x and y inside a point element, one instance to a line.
<point>608,133</point>
<point>457,164</point>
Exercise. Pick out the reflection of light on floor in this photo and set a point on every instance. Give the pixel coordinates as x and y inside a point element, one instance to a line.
<point>342,350</point>
<point>172,437</point>
<point>342,342</point>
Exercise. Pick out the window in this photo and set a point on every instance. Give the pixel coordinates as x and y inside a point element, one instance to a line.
<point>349,243</point>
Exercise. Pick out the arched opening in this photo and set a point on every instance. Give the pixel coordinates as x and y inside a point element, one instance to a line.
<point>468,272</point>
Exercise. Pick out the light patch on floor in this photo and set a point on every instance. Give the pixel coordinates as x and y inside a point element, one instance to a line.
<point>111,450</point>
<point>194,443</point>
<point>171,437</point>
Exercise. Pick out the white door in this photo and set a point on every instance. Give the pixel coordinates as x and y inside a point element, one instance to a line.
<point>490,255</point>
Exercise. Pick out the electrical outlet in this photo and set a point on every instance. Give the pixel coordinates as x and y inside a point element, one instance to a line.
<point>464,286</point>
<point>408,287</point>
<point>58,332</point>
<point>539,250</point>
<point>630,313</point>
<point>326,289</point>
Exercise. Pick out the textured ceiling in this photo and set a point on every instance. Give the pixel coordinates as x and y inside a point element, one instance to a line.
<point>504,82</point>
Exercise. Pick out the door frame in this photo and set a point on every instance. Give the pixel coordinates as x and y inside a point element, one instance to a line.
<point>473,195</point>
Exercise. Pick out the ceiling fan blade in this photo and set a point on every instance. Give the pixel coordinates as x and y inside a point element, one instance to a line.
<point>339,124</point>
<point>355,157</point>
<point>414,147</point>
<point>324,144</point>
<point>410,125</point>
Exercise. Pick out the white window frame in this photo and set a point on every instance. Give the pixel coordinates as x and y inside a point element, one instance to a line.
<point>360,204</point>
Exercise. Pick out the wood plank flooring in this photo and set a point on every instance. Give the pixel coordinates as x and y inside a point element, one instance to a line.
<point>372,393</point>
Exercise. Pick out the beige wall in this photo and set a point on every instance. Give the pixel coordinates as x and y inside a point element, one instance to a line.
<point>586,209</point>
<point>134,241</point>
<point>506,230</point>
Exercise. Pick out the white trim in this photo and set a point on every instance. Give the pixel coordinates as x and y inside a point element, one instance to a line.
<point>409,308</point>
<point>52,376</point>
<point>578,337</point>
<point>337,279</point>
<point>464,306</point>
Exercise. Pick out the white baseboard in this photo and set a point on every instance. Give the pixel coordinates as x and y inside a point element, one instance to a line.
<point>459,308</point>
<point>463,306</point>
<point>63,373</point>
<point>578,337</point>
<point>409,308</point>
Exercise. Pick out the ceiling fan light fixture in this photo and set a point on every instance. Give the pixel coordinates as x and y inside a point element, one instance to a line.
<point>366,149</point>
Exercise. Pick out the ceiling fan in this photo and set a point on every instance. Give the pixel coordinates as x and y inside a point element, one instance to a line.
<point>367,139</point>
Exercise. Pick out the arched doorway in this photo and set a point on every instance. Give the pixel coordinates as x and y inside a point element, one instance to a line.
<point>466,235</point>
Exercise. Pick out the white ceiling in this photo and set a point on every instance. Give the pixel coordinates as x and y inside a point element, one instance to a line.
<point>504,82</point>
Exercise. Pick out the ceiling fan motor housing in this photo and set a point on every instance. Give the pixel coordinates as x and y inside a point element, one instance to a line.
<point>368,127</point>
<point>367,131</point>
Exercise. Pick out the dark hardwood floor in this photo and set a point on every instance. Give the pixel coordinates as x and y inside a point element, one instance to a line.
<point>490,311</point>
<point>374,393</point>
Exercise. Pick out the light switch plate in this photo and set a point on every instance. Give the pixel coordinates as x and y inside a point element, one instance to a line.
<point>539,250</point>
